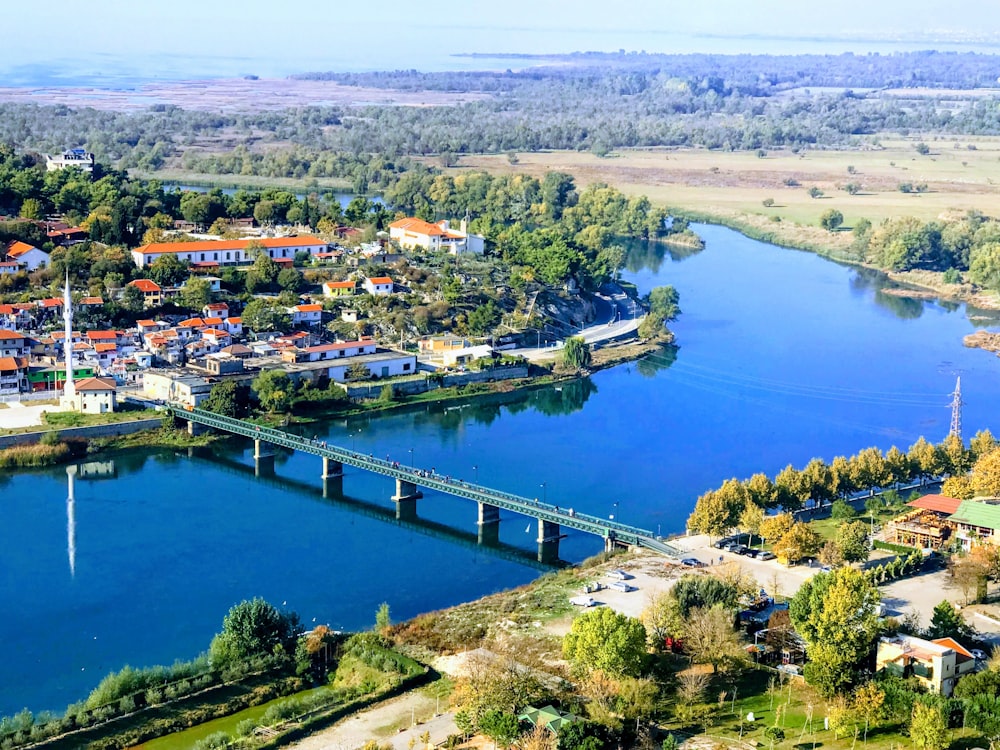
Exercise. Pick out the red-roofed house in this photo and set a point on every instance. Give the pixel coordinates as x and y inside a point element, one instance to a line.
<point>339,288</point>
<point>379,286</point>
<point>228,252</point>
<point>9,267</point>
<point>936,664</point>
<point>13,344</point>
<point>942,505</point>
<point>96,395</point>
<point>412,232</point>
<point>13,374</point>
<point>331,351</point>
<point>215,310</point>
<point>29,256</point>
<point>152,294</point>
<point>309,315</point>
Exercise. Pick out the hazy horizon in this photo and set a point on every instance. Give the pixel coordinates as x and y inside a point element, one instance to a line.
<point>118,40</point>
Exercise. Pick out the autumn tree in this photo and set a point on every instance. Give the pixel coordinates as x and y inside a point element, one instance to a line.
<point>797,543</point>
<point>852,541</point>
<point>761,491</point>
<point>925,459</point>
<point>982,443</point>
<point>710,638</point>
<point>955,457</point>
<point>985,477</point>
<point>606,640</point>
<point>928,727</point>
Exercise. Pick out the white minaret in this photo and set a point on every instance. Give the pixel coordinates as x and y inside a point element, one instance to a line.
<point>69,389</point>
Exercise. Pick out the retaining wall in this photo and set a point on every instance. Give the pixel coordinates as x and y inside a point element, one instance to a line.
<point>413,387</point>
<point>102,430</point>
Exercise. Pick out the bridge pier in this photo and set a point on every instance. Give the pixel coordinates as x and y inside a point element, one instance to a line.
<point>406,490</point>
<point>263,458</point>
<point>195,428</point>
<point>488,514</point>
<point>548,541</point>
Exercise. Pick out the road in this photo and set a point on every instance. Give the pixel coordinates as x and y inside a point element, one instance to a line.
<point>616,316</point>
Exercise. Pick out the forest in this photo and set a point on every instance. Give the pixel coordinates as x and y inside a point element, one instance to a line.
<point>708,101</point>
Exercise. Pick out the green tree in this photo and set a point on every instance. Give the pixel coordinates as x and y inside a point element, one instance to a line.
<point>132,299</point>
<point>606,640</point>
<point>815,192</point>
<point>290,279</point>
<point>664,301</point>
<point>982,443</point>
<point>852,541</point>
<point>228,399</point>
<point>831,220</point>
<point>985,477</point>
<point>948,622</point>
<point>168,270</point>
<point>500,727</point>
<point>253,628</point>
<point>693,592</point>
<point>483,318</point>
<point>383,622</point>
<point>842,510</point>
<point>263,274</point>
<point>263,315</point>
<point>751,518</point>
<point>32,209</point>
<point>835,613</point>
<point>196,293</point>
<point>928,727</point>
<point>925,459</point>
<point>576,353</point>
<point>274,390</point>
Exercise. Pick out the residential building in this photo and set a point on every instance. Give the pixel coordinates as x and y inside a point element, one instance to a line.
<point>412,233</point>
<point>936,664</point>
<point>13,344</point>
<point>28,256</point>
<point>548,716</point>
<point>95,395</point>
<point>215,310</point>
<point>430,346</point>
<point>307,315</point>
<point>229,252</point>
<point>340,288</point>
<point>152,293</point>
<point>977,521</point>
<point>9,267</point>
<point>13,375</point>
<point>73,157</point>
<point>53,378</point>
<point>379,286</point>
<point>323,352</point>
<point>180,387</point>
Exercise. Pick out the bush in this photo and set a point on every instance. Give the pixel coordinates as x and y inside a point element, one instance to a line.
<point>213,742</point>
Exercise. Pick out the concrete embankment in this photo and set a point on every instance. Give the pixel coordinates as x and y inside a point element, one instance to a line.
<point>95,431</point>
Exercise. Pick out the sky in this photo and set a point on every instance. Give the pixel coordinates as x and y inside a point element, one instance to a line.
<point>223,37</point>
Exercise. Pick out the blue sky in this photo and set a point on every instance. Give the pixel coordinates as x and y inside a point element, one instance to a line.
<point>304,34</point>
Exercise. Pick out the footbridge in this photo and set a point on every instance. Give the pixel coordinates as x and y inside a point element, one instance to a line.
<point>551,519</point>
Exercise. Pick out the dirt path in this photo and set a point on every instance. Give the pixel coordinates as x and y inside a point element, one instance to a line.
<point>389,723</point>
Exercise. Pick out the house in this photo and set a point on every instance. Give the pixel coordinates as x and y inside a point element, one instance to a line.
<point>184,388</point>
<point>13,374</point>
<point>977,520</point>
<point>28,256</point>
<point>90,302</point>
<point>152,293</point>
<point>339,288</point>
<point>229,252</point>
<point>348,315</point>
<point>379,286</point>
<point>9,267</point>
<point>13,344</point>
<point>215,310</point>
<point>95,395</point>
<point>435,345</point>
<point>411,233</point>
<point>74,157</point>
<point>308,315</point>
<point>67,235</point>
<point>54,378</point>
<point>237,351</point>
<point>323,352</point>
<point>936,664</point>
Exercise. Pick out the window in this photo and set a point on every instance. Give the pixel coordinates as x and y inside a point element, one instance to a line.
<point>406,366</point>
<point>227,256</point>
<point>203,256</point>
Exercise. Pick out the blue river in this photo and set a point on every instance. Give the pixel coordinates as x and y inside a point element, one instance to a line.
<point>782,356</point>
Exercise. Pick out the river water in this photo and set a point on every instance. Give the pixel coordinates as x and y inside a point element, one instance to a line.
<point>783,356</point>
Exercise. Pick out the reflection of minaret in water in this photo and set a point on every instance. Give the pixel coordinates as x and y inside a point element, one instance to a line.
<point>71,519</point>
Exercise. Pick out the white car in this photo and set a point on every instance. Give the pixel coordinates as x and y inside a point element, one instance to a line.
<point>583,601</point>
<point>978,654</point>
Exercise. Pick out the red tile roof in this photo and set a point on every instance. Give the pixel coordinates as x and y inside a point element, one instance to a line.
<point>10,335</point>
<point>936,503</point>
<point>953,645</point>
<point>101,335</point>
<point>105,347</point>
<point>213,245</point>
<point>418,226</point>
<point>340,284</point>
<point>380,280</point>
<point>92,301</point>
<point>145,285</point>
<point>12,364</point>
<point>308,308</point>
<point>17,248</point>
<point>96,384</point>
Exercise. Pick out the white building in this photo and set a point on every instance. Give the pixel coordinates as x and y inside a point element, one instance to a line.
<point>308,315</point>
<point>95,396</point>
<point>380,286</point>
<point>411,233</point>
<point>74,157</point>
<point>27,256</point>
<point>214,253</point>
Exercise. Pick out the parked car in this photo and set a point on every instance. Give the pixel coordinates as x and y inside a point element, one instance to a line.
<point>978,654</point>
<point>621,586</point>
<point>582,601</point>
<point>741,549</point>
<point>721,544</point>
<point>752,552</point>
<point>766,555</point>
<point>691,562</point>
<point>621,575</point>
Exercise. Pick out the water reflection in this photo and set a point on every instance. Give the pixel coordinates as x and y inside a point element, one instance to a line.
<point>658,361</point>
<point>649,254</point>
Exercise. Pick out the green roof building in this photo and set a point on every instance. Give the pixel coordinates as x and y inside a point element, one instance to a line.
<point>977,520</point>
<point>549,717</point>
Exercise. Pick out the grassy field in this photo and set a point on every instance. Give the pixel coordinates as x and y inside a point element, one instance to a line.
<point>733,183</point>
<point>250,182</point>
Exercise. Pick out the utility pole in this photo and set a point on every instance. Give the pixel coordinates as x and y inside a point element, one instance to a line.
<point>956,410</point>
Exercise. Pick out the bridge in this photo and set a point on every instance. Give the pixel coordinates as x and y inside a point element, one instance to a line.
<point>551,519</point>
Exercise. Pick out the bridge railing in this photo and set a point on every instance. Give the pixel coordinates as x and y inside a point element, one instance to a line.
<point>509,501</point>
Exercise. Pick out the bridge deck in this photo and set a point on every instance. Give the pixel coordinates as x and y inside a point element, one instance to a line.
<point>530,507</point>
